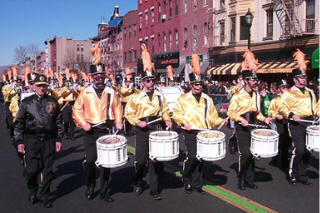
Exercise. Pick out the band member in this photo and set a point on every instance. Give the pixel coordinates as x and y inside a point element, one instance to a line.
<point>95,111</point>
<point>281,124</point>
<point>244,109</point>
<point>125,92</point>
<point>298,103</point>
<point>143,107</point>
<point>38,133</point>
<point>194,110</point>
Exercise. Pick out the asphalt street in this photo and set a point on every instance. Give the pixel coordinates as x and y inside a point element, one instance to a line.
<point>273,195</point>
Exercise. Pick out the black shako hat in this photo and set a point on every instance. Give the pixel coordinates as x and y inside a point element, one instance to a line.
<point>97,69</point>
<point>299,73</point>
<point>249,75</point>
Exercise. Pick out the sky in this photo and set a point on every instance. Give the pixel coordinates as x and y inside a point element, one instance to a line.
<point>28,22</point>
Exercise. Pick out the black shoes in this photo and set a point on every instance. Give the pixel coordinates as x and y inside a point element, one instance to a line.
<point>47,204</point>
<point>304,180</point>
<point>89,192</point>
<point>241,184</point>
<point>106,197</point>
<point>292,180</point>
<point>32,198</point>
<point>156,196</point>
<point>188,188</point>
<point>200,191</point>
<point>251,185</point>
<point>138,190</point>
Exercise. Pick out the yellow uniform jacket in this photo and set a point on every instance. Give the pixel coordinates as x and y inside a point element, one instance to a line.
<point>274,107</point>
<point>293,100</point>
<point>8,93</point>
<point>202,114</point>
<point>139,106</point>
<point>242,103</point>
<point>89,108</point>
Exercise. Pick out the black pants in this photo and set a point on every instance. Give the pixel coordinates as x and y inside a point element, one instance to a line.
<point>68,122</point>
<point>284,143</point>
<point>193,168</point>
<point>39,159</point>
<point>300,155</point>
<point>142,159</point>
<point>89,166</point>
<point>246,159</point>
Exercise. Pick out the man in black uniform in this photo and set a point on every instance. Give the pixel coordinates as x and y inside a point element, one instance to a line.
<point>38,131</point>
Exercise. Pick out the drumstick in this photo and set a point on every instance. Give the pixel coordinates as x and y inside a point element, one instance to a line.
<point>307,121</point>
<point>222,124</point>
<point>258,126</point>
<point>115,132</point>
<point>200,129</point>
<point>156,120</point>
<point>102,122</point>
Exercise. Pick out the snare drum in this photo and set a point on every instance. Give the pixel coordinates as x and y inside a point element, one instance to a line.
<point>211,145</point>
<point>313,138</point>
<point>111,151</point>
<point>163,145</point>
<point>264,143</point>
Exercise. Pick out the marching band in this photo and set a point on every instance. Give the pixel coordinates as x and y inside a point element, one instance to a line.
<point>45,108</point>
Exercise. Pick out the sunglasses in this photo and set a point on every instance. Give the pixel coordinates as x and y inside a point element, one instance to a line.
<point>149,80</point>
<point>197,84</point>
<point>99,77</point>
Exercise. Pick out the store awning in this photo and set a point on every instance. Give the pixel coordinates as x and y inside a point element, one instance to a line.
<point>263,68</point>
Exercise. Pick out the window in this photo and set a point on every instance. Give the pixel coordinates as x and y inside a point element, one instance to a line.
<point>185,9</point>
<point>310,16</point>
<point>81,47</point>
<point>129,56</point>
<point>177,7</point>
<point>125,57</point>
<point>195,4</point>
<point>206,33</point>
<point>135,55</point>
<point>221,33</point>
<point>130,31</point>
<point>205,2</point>
<point>185,38</point>
<point>170,8</point>
<point>170,41</point>
<point>81,58</point>
<point>140,22</point>
<point>159,12</point>
<point>159,43</point>
<point>233,29</point>
<point>269,22</point>
<point>195,37</point>
<point>134,30</point>
<point>152,44</point>
<point>146,18</point>
<point>78,47</point>
<point>164,42</point>
<point>177,40</point>
<point>78,58</point>
<point>125,33</point>
<point>165,9</point>
<point>152,17</point>
<point>244,28</point>
<point>222,4</point>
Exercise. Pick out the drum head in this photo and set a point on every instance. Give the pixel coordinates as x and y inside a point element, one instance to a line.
<point>111,140</point>
<point>210,134</point>
<point>314,127</point>
<point>264,133</point>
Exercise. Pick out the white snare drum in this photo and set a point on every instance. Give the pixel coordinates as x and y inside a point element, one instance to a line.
<point>264,143</point>
<point>211,145</point>
<point>313,138</point>
<point>111,151</point>
<point>163,145</point>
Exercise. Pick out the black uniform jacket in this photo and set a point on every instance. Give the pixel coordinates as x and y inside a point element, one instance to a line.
<point>38,116</point>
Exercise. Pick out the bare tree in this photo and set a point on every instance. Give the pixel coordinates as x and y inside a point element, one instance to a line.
<point>20,54</point>
<point>32,49</point>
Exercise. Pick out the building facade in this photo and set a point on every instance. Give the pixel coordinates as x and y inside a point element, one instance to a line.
<point>65,52</point>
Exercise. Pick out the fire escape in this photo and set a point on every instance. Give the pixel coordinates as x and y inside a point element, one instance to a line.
<point>286,11</point>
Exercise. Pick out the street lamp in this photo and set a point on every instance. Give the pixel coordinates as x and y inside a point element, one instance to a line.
<point>249,18</point>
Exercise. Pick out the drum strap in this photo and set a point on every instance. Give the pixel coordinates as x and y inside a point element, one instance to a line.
<point>312,98</point>
<point>159,98</point>
<point>108,106</point>
<point>206,112</point>
<point>258,102</point>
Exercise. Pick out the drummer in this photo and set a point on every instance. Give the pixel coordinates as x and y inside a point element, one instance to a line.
<point>192,111</point>
<point>244,109</point>
<point>299,102</point>
<point>281,124</point>
<point>95,111</point>
<point>145,106</point>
